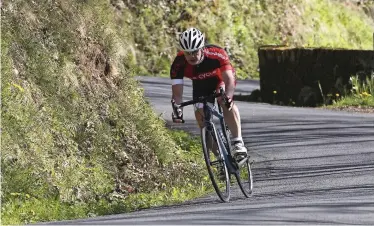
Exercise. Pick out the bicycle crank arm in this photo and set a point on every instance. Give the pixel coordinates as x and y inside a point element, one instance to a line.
<point>243,161</point>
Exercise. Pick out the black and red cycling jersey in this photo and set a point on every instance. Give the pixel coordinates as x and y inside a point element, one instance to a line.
<point>206,76</point>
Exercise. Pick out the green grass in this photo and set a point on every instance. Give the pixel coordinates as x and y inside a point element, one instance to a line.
<point>355,101</point>
<point>362,93</point>
<point>339,24</point>
<point>24,208</point>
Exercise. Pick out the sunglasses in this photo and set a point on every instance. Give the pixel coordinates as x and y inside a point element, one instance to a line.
<point>193,53</point>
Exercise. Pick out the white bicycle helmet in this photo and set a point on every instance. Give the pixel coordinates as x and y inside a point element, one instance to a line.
<point>191,40</point>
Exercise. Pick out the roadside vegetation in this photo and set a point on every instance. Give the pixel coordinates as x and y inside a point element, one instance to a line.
<point>241,26</point>
<point>361,96</point>
<point>78,139</point>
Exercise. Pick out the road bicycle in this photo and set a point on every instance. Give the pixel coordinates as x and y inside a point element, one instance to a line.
<point>216,148</point>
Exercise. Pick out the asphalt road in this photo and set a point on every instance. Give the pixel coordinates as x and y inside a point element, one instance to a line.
<point>311,166</point>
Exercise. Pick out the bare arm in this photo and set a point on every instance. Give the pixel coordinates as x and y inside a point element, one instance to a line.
<point>177,93</point>
<point>229,80</point>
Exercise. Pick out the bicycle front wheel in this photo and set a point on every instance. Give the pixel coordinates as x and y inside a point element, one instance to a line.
<point>244,177</point>
<point>216,164</point>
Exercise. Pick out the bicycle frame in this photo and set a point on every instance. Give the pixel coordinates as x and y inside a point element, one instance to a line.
<point>222,139</point>
<point>209,125</point>
<point>208,112</point>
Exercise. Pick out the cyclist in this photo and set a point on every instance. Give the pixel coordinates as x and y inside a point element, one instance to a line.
<point>209,68</point>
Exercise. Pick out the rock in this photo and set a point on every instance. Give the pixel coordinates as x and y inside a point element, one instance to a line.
<point>309,97</point>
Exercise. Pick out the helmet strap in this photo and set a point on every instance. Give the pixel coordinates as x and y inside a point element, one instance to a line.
<point>202,55</point>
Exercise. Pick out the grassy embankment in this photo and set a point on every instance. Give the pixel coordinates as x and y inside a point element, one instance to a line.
<point>243,26</point>
<point>78,139</point>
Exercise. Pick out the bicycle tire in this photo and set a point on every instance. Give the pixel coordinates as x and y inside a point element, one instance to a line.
<point>220,162</point>
<point>245,183</point>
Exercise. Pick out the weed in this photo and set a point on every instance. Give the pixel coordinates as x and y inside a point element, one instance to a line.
<point>362,93</point>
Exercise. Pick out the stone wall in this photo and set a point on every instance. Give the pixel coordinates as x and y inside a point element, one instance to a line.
<point>299,75</point>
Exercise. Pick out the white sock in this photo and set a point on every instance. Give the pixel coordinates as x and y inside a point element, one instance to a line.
<point>236,139</point>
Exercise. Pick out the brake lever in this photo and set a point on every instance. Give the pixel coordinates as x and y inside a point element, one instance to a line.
<point>224,97</point>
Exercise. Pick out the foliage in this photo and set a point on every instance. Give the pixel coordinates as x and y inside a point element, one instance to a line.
<point>362,93</point>
<point>242,26</point>
<point>340,24</point>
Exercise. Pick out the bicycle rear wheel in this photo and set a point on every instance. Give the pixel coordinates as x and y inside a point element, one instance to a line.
<point>216,164</point>
<point>244,177</point>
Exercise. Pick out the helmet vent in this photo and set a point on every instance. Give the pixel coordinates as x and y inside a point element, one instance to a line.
<point>191,40</point>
